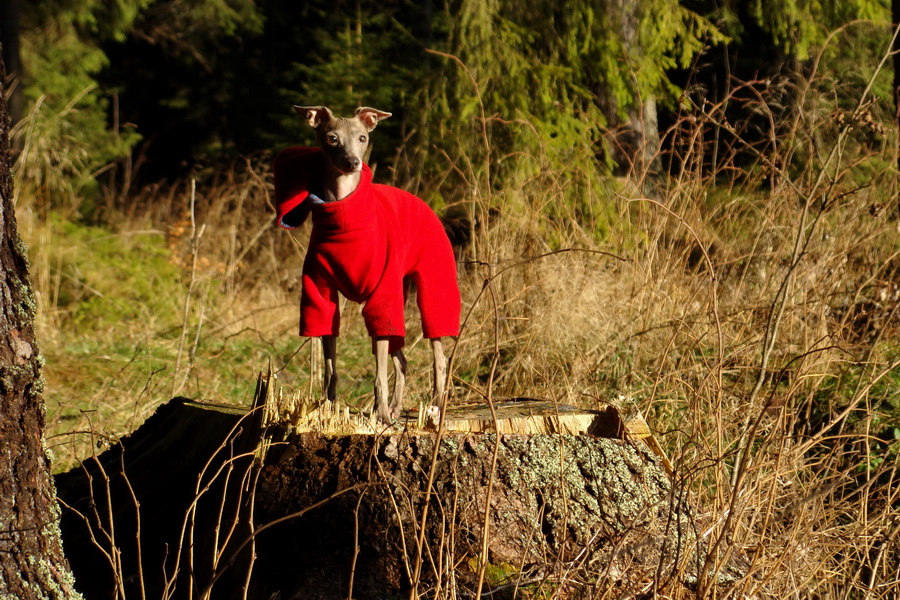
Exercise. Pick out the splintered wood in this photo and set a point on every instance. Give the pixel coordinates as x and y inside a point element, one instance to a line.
<point>296,412</point>
<point>282,412</point>
<point>521,415</point>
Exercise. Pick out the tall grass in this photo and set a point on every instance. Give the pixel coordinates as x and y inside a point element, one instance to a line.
<point>750,306</point>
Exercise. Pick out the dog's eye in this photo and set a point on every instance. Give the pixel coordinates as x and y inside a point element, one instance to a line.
<point>332,139</point>
<point>363,139</point>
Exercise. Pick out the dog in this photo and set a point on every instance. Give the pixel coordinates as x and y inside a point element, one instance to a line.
<point>367,240</point>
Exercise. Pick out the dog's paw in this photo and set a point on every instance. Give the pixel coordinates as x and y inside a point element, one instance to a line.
<point>381,411</point>
<point>432,416</point>
<point>384,415</point>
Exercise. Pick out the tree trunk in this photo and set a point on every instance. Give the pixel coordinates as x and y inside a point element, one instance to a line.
<point>160,513</point>
<point>590,507</point>
<point>635,128</point>
<point>32,564</point>
<point>10,12</point>
<point>895,19</point>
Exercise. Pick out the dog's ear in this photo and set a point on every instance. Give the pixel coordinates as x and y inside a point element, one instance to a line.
<point>315,115</point>
<point>370,116</point>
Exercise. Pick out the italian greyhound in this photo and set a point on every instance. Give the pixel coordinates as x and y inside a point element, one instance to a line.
<point>344,143</point>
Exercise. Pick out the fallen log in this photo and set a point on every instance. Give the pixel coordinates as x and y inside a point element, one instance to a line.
<point>307,500</point>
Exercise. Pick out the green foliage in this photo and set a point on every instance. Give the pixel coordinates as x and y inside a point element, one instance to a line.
<point>584,53</point>
<point>671,36</point>
<point>351,63</point>
<point>877,414</point>
<point>67,137</point>
<point>70,132</point>
<point>61,58</point>
<point>214,18</point>
<point>530,103</point>
<point>367,54</point>
<point>530,88</point>
<point>798,26</point>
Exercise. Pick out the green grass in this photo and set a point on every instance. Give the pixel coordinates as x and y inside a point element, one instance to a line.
<point>111,323</point>
<point>106,278</point>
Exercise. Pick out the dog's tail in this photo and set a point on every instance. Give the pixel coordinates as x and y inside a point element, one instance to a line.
<point>458,227</point>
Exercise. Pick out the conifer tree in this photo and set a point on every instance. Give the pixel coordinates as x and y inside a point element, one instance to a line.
<point>565,82</point>
<point>74,129</point>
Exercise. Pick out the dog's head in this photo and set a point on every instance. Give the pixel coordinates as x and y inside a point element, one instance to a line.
<point>344,140</point>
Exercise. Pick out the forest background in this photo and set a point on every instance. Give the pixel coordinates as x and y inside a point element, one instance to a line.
<point>689,206</point>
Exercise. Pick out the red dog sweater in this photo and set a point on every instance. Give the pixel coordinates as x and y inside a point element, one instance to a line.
<point>364,246</point>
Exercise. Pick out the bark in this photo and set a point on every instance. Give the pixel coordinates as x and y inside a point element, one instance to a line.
<point>32,564</point>
<point>895,19</point>
<point>10,11</point>
<point>592,507</point>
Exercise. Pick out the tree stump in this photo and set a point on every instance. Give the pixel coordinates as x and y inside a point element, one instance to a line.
<point>556,502</point>
<point>562,495</point>
<point>327,509</point>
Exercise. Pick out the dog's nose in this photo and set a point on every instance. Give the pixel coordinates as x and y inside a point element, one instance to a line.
<point>354,163</point>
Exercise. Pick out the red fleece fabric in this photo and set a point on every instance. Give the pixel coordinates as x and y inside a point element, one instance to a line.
<point>364,246</point>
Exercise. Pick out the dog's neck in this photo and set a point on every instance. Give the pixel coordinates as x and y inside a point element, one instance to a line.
<point>337,185</point>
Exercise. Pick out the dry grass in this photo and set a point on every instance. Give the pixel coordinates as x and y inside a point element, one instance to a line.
<point>754,317</point>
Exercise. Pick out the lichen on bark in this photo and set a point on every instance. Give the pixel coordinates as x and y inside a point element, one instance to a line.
<point>32,564</point>
<point>555,496</point>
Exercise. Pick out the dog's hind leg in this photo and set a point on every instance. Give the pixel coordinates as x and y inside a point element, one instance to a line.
<point>329,350</point>
<point>439,389</point>
<point>382,405</point>
<point>440,369</point>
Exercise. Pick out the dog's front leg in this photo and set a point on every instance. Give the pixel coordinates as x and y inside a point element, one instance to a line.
<point>439,388</point>
<point>382,405</point>
<point>329,350</point>
<point>399,383</point>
